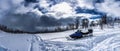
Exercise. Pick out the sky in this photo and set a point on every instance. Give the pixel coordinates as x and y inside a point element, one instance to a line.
<point>60,8</point>
<point>112,8</point>
<point>26,14</point>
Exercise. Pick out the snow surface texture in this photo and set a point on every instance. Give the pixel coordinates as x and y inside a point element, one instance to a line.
<point>103,40</point>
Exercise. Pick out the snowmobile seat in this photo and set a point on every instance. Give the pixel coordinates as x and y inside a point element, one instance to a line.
<point>89,33</point>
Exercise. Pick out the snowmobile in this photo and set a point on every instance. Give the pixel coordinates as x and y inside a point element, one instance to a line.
<point>80,34</point>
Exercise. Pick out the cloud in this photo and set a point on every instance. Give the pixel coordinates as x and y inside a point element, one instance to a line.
<point>85,4</point>
<point>9,4</point>
<point>86,15</point>
<point>44,4</point>
<point>15,15</point>
<point>112,8</point>
<point>37,12</point>
<point>62,9</point>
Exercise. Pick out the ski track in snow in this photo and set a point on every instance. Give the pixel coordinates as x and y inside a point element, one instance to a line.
<point>103,40</point>
<point>94,43</point>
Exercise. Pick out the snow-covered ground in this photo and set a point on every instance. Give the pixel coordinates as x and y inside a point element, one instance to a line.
<point>103,40</point>
<point>60,36</point>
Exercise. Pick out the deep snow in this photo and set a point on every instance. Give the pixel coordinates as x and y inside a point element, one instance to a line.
<point>103,40</point>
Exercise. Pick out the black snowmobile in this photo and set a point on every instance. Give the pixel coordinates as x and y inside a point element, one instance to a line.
<point>80,34</point>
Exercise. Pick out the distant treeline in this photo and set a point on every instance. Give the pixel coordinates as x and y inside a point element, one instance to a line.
<point>10,30</point>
